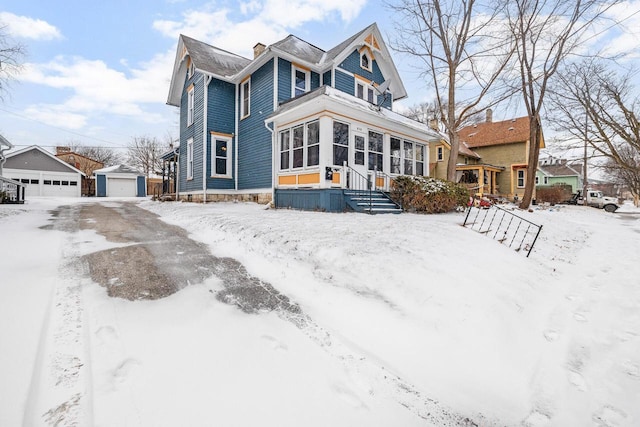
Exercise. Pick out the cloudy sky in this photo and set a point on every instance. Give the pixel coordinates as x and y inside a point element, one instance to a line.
<point>98,72</point>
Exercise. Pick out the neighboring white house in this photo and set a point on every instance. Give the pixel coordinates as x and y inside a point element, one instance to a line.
<point>42,173</point>
<point>120,181</point>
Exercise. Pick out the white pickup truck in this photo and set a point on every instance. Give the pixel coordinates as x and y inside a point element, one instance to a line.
<point>597,200</point>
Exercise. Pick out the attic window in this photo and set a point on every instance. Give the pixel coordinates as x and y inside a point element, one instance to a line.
<point>365,59</point>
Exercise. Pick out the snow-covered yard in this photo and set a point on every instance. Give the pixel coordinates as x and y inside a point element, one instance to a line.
<point>413,319</point>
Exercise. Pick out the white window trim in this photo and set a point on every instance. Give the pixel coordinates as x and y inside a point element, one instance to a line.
<point>247,84</point>
<point>190,105</point>
<point>307,79</point>
<point>440,153</point>
<point>546,180</point>
<point>366,87</point>
<point>229,142</point>
<point>366,53</point>
<point>305,147</point>
<point>414,160</point>
<point>537,180</point>
<point>189,159</point>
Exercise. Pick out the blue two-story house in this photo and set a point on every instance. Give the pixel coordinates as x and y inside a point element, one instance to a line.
<point>296,125</point>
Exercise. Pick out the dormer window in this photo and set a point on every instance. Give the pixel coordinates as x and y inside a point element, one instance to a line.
<point>301,80</point>
<point>365,59</point>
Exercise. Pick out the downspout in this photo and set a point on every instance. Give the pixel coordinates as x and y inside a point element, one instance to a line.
<point>273,162</point>
<point>204,138</point>
<point>235,161</point>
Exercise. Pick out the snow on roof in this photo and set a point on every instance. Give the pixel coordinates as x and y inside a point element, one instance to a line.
<point>212,59</point>
<point>118,169</point>
<point>300,49</point>
<point>357,103</point>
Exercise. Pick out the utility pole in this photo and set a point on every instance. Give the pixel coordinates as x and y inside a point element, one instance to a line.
<point>584,166</point>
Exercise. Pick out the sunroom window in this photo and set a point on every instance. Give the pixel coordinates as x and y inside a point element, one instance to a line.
<point>340,143</point>
<point>285,149</point>
<point>298,147</point>
<point>313,143</point>
<point>395,155</point>
<point>375,151</point>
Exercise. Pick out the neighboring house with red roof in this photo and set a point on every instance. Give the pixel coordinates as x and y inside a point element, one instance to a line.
<point>84,164</point>
<point>493,157</point>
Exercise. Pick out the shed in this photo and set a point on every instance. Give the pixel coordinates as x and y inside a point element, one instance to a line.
<point>42,174</point>
<point>120,181</point>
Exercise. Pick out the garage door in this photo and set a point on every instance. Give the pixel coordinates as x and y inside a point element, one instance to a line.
<point>45,184</point>
<point>121,187</point>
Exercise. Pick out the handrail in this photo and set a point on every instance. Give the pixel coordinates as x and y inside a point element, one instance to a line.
<point>526,231</point>
<point>358,182</point>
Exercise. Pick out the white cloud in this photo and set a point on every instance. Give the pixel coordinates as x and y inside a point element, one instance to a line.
<point>29,28</point>
<point>56,115</point>
<point>263,21</point>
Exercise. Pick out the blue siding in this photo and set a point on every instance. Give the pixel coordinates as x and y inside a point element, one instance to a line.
<point>329,200</point>
<point>101,186</point>
<point>345,82</point>
<point>315,80</point>
<point>326,78</point>
<point>220,118</point>
<point>254,142</point>
<point>352,64</point>
<point>284,80</point>
<point>194,131</point>
<point>141,186</point>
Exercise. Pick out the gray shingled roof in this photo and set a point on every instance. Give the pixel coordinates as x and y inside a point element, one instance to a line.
<point>561,170</point>
<point>332,53</point>
<point>300,49</point>
<point>213,60</point>
<point>118,169</point>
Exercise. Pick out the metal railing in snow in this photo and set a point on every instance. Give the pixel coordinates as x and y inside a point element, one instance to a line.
<point>504,226</point>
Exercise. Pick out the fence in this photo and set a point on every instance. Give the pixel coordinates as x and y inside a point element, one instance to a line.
<point>504,226</point>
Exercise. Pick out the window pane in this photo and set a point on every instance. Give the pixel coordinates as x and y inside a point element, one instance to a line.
<point>419,152</point>
<point>408,150</point>
<point>298,137</point>
<point>284,160</point>
<point>360,91</point>
<point>340,143</point>
<point>395,165</point>
<point>313,133</point>
<point>221,166</point>
<point>298,154</point>
<point>313,155</point>
<point>221,148</point>
<point>359,158</point>
<point>370,95</point>
<point>419,168</point>
<point>284,149</point>
<point>375,142</point>
<point>284,140</point>
<point>365,61</point>
<point>340,154</point>
<point>408,167</point>
<point>375,161</point>
<point>359,140</point>
<point>395,147</point>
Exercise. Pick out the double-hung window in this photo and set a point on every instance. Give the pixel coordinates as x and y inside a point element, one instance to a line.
<point>407,157</point>
<point>301,81</point>
<point>365,91</point>
<point>340,143</point>
<point>440,153</point>
<point>190,105</point>
<point>285,149</point>
<point>313,143</point>
<point>375,151</point>
<point>521,174</point>
<point>190,158</point>
<point>221,156</point>
<point>245,98</point>
<point>298,146</point>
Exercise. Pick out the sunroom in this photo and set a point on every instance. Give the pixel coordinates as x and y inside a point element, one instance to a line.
<point>326,142</point>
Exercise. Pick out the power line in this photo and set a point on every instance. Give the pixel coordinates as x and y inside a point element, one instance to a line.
<point>117,145</point>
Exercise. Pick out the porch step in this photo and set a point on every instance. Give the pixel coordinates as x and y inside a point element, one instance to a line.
<point>377,202</point>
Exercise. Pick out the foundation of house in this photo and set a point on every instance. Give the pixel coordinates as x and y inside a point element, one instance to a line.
<point>260,198</point>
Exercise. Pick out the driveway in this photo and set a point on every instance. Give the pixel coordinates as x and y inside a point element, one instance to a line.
<point>154,259</point>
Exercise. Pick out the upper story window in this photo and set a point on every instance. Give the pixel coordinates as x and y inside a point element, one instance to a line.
<point>245,98</point>
<point>190,105</point>
<point>301,80</point>
<point>365,91</point>
<point>365,59</point>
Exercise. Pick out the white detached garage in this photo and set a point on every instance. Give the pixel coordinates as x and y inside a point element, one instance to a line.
<point>42,174</point>
<point>120,181</point>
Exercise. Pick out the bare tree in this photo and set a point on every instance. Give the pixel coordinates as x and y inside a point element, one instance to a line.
<point>464,51</point>
<point>546,33</point>
<point>106,155</point>
<point>145,154</point>
<point>607,117</point>
<point>11,55</point>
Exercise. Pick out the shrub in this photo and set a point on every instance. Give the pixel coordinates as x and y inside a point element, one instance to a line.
<point>553,194</point>
<point>428,195</point>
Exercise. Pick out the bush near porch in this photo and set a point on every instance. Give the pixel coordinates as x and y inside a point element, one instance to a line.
<point>553,194</point>
<point>428,195</point>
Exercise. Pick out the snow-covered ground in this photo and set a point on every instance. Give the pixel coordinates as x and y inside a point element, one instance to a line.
<point>411,320</point>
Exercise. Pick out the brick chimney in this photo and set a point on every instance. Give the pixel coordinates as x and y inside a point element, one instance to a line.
<point>258,49</point>
<point>489,115</point>
<point>61,149</point>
